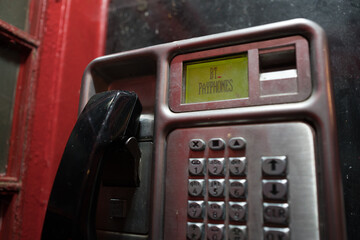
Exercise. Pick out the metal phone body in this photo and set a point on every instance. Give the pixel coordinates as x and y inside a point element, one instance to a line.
<point>264,166</point>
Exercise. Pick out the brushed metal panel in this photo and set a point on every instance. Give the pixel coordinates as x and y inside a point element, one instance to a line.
<point>292,139</point>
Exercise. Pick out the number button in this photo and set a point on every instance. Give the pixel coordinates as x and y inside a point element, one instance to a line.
<point>237,211</point>
<point>237,166</point>
<point>215,210</point>
<point>237,188</point>
<point>195,209</point>
<point>196,166</point>
<point>216,187</point>
<point>196,187</point>
<point>215,231</point>
<point>216,166</point>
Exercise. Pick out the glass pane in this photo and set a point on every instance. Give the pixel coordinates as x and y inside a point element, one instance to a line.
<point>15,12</point>
<point>9,68</point>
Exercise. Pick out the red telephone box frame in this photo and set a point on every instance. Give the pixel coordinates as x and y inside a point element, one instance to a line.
<point>64,36</point>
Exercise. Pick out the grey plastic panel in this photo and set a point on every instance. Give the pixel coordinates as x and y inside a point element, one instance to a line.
<point>125,209</point>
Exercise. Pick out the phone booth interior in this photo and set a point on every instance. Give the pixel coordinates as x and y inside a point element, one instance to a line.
<point>236,138</point>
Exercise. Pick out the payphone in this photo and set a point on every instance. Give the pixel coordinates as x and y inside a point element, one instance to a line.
<point>237,139</point>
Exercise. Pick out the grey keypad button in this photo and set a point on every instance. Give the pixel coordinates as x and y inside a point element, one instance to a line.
<point>275,189</point>
<point>274,166</point>
<point>237,211</point>
<point>216,144</point>
<point>276,213</point>
<point>237,143</point>
<point>276,233</point>
<point>237,166</point>
<point>215,231</point>
<point>216,166</point>
<point>195,209</point>
<point>216,187</point>
<point>237,188</point>
<point>195,231</point>
<point>196,166</point>
<point>196,187</point>
<point>197,144</point>
<point>216,210</point>
<point>237,232</point>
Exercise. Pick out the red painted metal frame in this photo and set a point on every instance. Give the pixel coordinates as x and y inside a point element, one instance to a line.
<point>11,183</point>
<point>64,36</point>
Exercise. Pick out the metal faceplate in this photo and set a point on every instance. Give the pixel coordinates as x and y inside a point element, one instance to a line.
<point>293,140</point>
<point>291,126</point>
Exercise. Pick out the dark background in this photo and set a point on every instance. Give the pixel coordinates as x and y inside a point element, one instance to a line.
<point>139,23</point>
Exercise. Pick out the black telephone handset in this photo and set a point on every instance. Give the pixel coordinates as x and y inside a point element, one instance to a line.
<point>109,121</point>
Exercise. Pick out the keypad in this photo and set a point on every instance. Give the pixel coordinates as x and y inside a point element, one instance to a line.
<point>217,190</point>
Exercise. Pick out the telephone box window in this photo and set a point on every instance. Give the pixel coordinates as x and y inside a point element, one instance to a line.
<point>15,12</point>
<point>10,60</point>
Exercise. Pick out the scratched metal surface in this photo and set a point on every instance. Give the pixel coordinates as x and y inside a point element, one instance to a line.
<point>140,23</point>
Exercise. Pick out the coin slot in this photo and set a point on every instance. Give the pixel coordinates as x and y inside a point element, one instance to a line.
<point>277,59</point>
<point>278,73</point>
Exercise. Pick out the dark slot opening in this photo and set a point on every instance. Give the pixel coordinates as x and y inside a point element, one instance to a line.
<point>277,59</point>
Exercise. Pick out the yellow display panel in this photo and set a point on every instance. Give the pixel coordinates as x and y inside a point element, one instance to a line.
<point>216,79</point>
